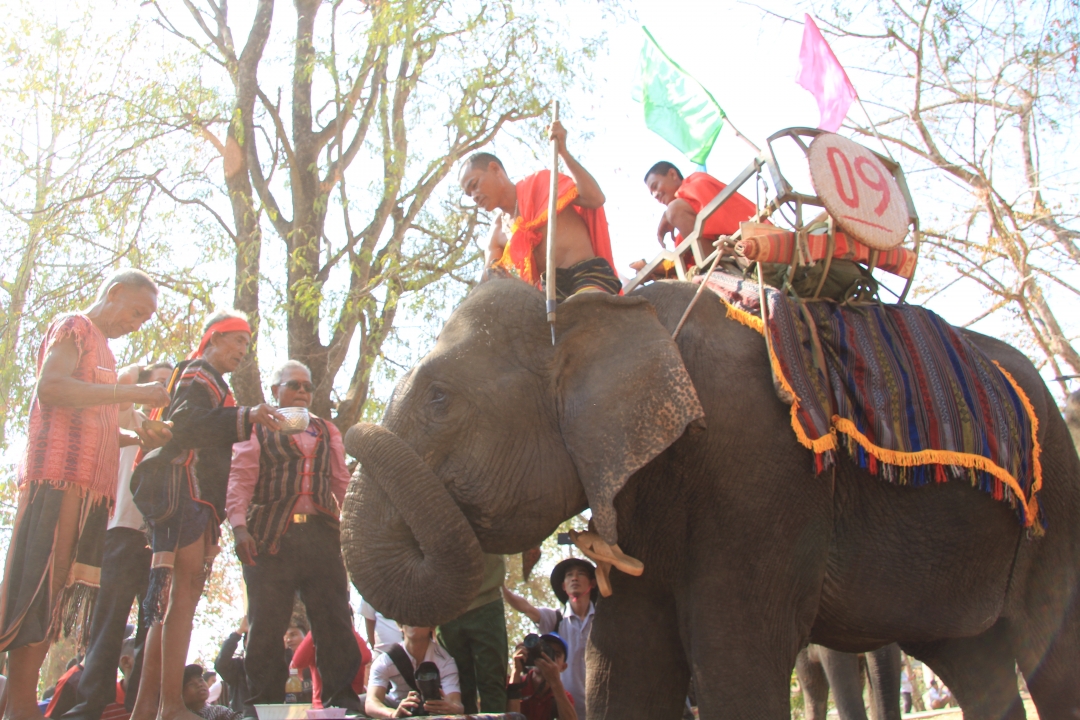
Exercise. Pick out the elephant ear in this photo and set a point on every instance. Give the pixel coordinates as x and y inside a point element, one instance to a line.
<point>623,394</point>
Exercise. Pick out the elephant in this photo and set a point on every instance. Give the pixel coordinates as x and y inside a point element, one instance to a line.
<point>820,670</point>
<point>1072,416</point>
<point>687,460</point>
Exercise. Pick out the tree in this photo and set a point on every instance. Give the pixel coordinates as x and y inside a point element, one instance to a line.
<point>397,92</point>
<point>982,96</point>
<point>76,200</point>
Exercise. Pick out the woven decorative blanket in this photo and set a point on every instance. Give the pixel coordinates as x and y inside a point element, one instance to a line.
<point>904,393</point>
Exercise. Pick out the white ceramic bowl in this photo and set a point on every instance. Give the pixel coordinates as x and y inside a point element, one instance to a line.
<point>296,420</point>
<point>333,713</point>
<point>290,711</point>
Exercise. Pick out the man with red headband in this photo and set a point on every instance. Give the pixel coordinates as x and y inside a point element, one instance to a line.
<point>180,490</point>
<point>67,478</point>
<point>518,242</point>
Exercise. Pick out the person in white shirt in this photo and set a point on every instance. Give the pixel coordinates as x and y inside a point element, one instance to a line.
<point>938,696</point>
<point>574,583</point>
<point>389,693</point>
<point>125,569</point>
<point>380,630</point>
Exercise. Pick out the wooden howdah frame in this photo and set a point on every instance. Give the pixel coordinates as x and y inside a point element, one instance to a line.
<point>785,197</point>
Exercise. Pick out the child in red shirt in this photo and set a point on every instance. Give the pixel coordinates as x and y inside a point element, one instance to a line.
<point>304,657</point>
<point>538,693</point>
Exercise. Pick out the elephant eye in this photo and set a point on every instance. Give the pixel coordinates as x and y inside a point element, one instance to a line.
<point>438,395</point>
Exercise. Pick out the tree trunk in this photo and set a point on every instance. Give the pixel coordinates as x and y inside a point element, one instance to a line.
<point>246,381</point>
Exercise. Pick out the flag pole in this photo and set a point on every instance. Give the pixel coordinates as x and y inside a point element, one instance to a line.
<point>739,135</point>
<point>552,216</point>
<point>873,126</point>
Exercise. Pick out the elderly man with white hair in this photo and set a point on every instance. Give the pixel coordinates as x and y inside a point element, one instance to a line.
<point>285,493</point>
<point>67,478</point>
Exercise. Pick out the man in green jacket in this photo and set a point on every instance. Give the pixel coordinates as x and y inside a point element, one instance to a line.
<point>477,642</point>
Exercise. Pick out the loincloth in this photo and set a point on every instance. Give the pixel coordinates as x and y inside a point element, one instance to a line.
<point>29,613</point>
<point>592,275</point>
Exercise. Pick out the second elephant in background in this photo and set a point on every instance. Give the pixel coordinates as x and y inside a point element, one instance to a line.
<point>819,669</point>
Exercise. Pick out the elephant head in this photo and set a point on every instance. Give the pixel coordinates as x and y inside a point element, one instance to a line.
<point>496,437</point>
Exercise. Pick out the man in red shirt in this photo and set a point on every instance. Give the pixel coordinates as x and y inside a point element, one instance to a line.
<point>538,693</point>
<point>116,710</point>
<point>304,659</point>
<point>684,198</point>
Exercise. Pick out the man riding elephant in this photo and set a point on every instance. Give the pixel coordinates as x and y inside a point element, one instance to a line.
<point>689,462</point>
<point>518,241</point>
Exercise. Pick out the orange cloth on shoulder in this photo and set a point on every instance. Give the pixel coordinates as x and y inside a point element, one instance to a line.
<point>529,228</point>
<point>698,189</point>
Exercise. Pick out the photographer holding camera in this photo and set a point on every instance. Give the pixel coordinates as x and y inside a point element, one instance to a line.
<point>536,690</point>
<point>415,678</point>
<point>574,582</point>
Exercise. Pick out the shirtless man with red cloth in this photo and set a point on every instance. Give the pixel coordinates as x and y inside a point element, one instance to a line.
<point>518,242</point>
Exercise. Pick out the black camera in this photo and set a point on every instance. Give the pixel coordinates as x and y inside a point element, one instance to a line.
<point>535,646</point>
<point>428,683</point>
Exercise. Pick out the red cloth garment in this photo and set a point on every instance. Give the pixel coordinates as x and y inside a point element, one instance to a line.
<point>304,657</point>
<point>229,324</point>
<point>769,244</point>
<point>529,228</point>
<point>69,445</point>
<point>538,706</point>
<point>698,189</point>
<point>116,710</point>
<point>59,704</point>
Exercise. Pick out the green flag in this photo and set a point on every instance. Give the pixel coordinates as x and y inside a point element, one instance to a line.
<point>677,107</point>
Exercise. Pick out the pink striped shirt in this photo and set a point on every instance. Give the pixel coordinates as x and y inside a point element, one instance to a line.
<point>244,473</point>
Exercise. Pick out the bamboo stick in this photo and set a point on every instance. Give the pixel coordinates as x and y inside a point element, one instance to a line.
<point>552,213</point>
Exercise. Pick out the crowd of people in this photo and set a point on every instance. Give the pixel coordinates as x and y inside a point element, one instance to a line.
<point>128,476</point>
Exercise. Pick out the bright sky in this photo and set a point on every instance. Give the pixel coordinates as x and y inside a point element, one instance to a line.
<point>748,63</point>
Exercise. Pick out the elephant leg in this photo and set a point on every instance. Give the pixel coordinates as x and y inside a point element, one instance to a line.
<point>845,680</point>
<point>636,665</point>
<point>814,684</point>
<point>740,656</point>
<point>980,672</point>
<point>883,669</point>
<point>1053,683</point>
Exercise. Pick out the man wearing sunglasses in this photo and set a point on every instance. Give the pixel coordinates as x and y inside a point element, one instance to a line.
<point>285,493</point>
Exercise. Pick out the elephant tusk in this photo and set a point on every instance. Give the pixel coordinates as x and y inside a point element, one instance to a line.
<point>599,551</point>
<point>603,580</point>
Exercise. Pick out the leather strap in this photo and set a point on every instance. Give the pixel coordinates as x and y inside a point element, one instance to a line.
<point>403,664</point>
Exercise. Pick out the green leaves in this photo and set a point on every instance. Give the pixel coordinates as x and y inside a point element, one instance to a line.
<point>89,122</point>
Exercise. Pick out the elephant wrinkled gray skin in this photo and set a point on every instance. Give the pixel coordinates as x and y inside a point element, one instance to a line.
<point>820,670</point>
<point>1072,416</point>
<point>496,437</point>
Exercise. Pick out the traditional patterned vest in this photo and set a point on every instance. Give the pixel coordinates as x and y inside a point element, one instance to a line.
<point>281,471</point>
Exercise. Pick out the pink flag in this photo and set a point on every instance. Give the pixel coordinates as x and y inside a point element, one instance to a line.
<point>823,75</point>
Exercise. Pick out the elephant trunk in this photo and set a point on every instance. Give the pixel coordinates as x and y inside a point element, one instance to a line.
<point>408,548</point>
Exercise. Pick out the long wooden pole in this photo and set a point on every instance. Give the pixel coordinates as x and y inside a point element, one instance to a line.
<point>740,135</point>
<point>553,198</point>
<point>874,127</point>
